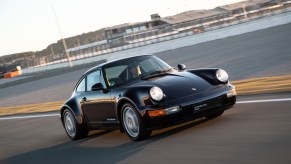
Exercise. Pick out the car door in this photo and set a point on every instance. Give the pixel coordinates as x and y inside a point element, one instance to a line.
<point>97,105</point>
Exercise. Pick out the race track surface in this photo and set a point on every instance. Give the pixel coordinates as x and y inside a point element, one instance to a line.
<point>247,133</point>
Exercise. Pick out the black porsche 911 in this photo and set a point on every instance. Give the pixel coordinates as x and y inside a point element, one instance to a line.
<point>143,93</point>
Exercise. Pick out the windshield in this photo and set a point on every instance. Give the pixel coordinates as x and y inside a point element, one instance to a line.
<point>128,70</point>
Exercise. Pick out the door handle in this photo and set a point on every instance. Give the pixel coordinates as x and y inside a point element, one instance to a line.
<point>84,99</point>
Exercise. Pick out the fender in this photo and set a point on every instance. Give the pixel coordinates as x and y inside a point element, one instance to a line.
<point>138,96</point>
<point>73,106</point>
<point>208,74</point>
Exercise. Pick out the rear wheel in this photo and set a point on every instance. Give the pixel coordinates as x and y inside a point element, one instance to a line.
<point>132,124</point>
<point>73,129</point>
<point>214,115</point>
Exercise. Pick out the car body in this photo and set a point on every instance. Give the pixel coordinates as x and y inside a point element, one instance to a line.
<point>143,93</point>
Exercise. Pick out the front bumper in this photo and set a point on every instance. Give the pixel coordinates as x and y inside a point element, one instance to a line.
<point>191,107</point>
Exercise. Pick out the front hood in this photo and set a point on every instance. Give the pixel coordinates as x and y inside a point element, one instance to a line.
<point>178,84</point>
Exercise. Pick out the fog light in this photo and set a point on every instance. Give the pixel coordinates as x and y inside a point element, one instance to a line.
<point>231,93</point>
<point>162,112</point>
<point>171,110</point>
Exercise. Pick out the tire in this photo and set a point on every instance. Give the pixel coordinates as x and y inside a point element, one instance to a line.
<point>73,129</point>
<point>133,124</point>
<point>214,115</point>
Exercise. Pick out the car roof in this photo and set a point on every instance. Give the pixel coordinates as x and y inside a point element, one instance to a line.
<point>113,61</point>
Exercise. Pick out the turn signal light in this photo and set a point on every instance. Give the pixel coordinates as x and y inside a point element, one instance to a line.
<point>231,93</point>
<point>156,113</point>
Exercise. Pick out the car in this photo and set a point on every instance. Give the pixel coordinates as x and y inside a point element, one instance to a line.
<point>143,93</point>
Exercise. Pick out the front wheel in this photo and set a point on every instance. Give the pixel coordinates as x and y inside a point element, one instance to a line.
<point>133,125</point>
<point>73,129</point>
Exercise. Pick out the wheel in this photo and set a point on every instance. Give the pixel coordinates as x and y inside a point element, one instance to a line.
<point>73,129</point>
<point>214,115</point>
<point>133,125</point>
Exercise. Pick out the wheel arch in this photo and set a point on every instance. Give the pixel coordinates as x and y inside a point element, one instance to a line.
<point>73,106</point>
<point>64,107</point>
<point>120,104</point>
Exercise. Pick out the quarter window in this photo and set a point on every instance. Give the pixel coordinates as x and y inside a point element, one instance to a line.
<point>81,86</point>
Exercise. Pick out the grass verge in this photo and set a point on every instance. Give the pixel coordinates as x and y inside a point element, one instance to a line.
<point>31,108</point>
<point>263,85</point>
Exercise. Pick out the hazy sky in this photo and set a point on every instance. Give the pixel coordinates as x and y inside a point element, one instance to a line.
<point>30,25</point>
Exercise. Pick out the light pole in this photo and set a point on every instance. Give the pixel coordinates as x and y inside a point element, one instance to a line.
<point>245,12</point>
<point>64,41</point>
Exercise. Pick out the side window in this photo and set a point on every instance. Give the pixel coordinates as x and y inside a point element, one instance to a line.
<point>148,65</point>
<point>81,86</point>
<point>93,78</point>
<point>116,74</point>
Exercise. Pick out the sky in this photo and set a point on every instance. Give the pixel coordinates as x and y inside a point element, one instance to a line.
<point>30,25</point>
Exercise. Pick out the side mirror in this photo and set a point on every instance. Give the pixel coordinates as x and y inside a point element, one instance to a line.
<point>97,87</point>
<point>181,67</point>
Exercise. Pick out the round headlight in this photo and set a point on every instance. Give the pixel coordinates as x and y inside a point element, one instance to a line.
<point>156,93</point>
<point>221,75</point>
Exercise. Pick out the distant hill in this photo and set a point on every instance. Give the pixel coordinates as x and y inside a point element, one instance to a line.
<point>58,47</point>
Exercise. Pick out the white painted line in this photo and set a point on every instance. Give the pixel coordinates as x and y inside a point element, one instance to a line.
<point>55,114</point>
<point>259,101</point>
<point>28,116</point>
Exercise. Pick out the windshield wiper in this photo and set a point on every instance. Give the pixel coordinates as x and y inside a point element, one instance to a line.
<point>155,73</point>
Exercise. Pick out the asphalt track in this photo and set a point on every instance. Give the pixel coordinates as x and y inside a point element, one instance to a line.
<point>258,132</point>
<point>260,53</point>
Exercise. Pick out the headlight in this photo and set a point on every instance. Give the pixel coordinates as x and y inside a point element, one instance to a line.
<point>221,75</point>
<point>156,93</point>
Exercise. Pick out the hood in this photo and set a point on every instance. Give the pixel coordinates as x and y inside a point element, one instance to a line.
<point>178,84</point>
